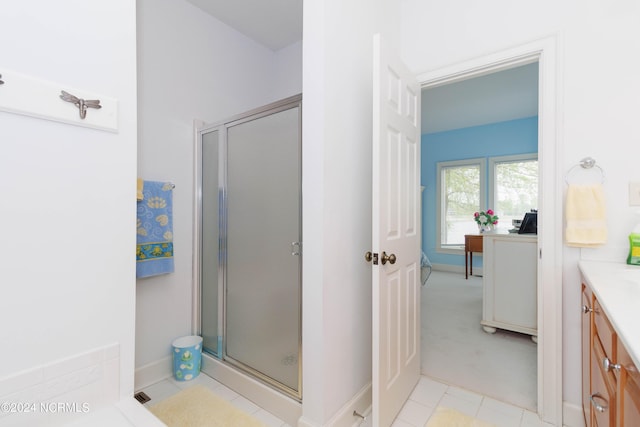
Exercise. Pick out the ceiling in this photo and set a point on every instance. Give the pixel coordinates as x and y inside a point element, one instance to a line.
<point>272,23</point>
<point>502,96</point>
<point>505,95</point>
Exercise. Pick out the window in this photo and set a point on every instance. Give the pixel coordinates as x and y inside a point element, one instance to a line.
<point>513,186</point>
<point>462,190</point>
<point>460,193</point>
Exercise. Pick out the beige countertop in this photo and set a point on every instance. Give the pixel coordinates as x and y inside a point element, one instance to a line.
<point>617,288</point>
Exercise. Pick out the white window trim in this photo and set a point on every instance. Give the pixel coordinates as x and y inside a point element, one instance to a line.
<point>479,161</point>
<point>493,161</point>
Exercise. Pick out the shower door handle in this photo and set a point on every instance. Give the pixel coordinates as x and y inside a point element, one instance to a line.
<point>296,248</point>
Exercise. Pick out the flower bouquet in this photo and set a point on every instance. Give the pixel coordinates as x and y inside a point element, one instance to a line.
<point>485,220</point>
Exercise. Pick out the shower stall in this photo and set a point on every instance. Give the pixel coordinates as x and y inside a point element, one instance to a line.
<point>249,249</point>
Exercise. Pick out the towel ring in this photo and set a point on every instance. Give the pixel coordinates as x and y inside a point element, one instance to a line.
<point>586,163</point>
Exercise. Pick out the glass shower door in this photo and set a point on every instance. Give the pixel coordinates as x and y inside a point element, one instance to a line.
<point>211,191</point>
<point>263,263</point>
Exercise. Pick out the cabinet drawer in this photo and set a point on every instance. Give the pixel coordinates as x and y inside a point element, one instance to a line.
<point>603,389</point>
<point>604,331</point>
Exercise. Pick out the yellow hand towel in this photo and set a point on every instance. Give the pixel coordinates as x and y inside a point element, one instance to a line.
<point>139,195</point>
<point>585,215</point>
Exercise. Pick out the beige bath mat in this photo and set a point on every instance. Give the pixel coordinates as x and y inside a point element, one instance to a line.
<point>198,406</point>
<point>446,417</point>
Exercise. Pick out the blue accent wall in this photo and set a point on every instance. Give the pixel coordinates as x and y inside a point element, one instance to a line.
<point>496,139</point>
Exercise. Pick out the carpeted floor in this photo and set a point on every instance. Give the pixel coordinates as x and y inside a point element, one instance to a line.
<point>198,406</point>
<point>457,351</point>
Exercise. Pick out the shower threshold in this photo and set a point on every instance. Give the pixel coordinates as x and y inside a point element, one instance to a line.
<point>272,400</point>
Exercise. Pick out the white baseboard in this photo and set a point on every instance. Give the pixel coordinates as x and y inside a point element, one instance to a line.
<point>455,269</point>
<point>152,373</point>
<point>345,417</point>
<point>448,268</point>
<point>572,415</point>
<point>361,404</point>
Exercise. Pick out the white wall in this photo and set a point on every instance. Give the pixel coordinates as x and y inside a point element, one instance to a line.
<point>599,96</point>
<point>287,73</point>
<point>191,66</point>
<point>337,132</point>
<point>68,193</point>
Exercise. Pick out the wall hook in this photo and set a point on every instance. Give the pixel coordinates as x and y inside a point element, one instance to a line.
<point>81,103</point>
<point>1,82</point>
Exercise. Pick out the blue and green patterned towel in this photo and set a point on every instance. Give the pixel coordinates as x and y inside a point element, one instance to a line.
<point>154,251</point>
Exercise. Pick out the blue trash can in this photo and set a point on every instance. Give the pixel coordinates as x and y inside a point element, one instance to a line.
<point>187,357</point>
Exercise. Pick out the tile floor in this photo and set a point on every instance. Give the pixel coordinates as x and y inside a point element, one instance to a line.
<point>426,397</point>
<point>166,388</point>
<point>429,394</point>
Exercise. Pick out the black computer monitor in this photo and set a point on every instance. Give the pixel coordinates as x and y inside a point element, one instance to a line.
<point>529,224</point>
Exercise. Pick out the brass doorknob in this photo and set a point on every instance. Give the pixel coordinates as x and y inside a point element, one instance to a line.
<point>391,258</point>
<point>368,256</point>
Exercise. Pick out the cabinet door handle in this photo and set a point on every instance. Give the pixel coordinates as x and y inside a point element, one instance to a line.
<point>599,408</point>
<point>607,365</point>
<point>586,309</point>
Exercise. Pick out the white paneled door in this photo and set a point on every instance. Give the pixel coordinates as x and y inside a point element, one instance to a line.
<point>395,235</point>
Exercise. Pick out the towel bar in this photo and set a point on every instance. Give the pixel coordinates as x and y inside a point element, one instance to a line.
<point>586,163</point>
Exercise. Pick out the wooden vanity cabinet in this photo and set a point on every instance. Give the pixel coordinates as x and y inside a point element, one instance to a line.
<point>610,379</point>
<point>587,319</point>
<point>601,393</point>
<point>629,394</point>
<point>603,390</point>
